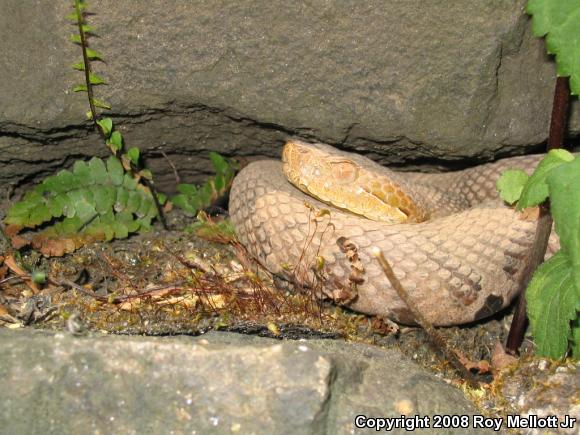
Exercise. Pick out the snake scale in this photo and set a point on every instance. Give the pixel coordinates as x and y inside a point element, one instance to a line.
<point>457,249</point>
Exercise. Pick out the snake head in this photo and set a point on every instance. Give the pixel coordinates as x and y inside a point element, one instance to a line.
<point>357,186</point>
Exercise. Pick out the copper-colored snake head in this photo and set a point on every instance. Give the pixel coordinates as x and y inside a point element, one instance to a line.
<point>349,183</point>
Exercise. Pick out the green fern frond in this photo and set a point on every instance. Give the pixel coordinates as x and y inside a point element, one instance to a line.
<point>97,200</point>
<point>192,199</point>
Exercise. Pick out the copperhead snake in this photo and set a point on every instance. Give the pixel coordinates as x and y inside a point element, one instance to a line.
<point>457,249</point>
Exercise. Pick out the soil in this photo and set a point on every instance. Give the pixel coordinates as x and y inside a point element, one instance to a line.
<point>176,282</point>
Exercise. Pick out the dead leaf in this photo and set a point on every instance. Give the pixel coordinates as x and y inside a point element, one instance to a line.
<point>350,251</point>
<point>12,230</point>
<point>480,367</point>
<point>530,214</point>
<point>500,359</point>
<point>384,326</point>
<point>14,267</point>
<point>187,301</point>
<point>130,305</point>
<point>214,301</point>
<point>3,268</point>
<point>273,328</point>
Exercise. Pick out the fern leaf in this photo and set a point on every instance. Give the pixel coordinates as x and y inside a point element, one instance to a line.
<point>94,201</point>
<point>101,104</point>
<point>92,54</point>
<point>95,79</point>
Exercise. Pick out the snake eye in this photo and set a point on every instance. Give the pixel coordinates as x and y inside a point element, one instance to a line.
<point>344,171</point>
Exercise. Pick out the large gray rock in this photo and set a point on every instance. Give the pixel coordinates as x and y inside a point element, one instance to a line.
<point>215,384</point>
<point>400,79</point>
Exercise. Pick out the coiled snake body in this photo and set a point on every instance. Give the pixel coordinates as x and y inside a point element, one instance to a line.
<point>458,251</point>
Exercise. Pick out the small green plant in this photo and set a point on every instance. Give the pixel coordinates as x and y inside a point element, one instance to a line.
<point>94,201</point>
<point>558,20</point>
<point>219,231</point>
<point>97,200</point>
<point>553,294</point>
<point>101,200</point>
<point>192,198</point>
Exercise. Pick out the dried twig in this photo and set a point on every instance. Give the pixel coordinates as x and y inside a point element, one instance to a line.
<point>175,173</point>
<point>433,334</point>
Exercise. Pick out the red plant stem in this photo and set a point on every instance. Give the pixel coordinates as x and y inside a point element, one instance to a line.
<point>555,140</point>
<point>559,113</point>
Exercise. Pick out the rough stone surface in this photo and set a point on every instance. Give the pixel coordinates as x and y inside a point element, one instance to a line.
<point>542,387</point>
<point>398,79</point>
<point>218,383</point>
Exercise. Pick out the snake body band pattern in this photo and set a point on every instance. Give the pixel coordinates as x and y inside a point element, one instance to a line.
<point>457,249</point>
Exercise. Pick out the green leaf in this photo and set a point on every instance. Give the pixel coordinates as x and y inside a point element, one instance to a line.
<point>84,206</point>
<point>38,276</point>
<point>182,202</point>
<point>39,215</point>
<point>576,338</point>
<point>56,205</point>
<point>83,172</point>
<point>79,66</point>
<point>510,185</point>
<point>105,197</point>
<point>107,221</point>
<point>206,194</point>
<point>106,125</point>
<point>92,54</point>
<point>129,182</point>
<point>24,212</point>
<point>55,184</point>
<point>69,226</point>
<point>144,224</point>
<point>145,207</point>
<point>122,198</point>
<point>98,171</point>
<point>134,202</point>
<point>558,21</point>
<point>187,189</point>
<point>80,88</point>
<point>121,230</point>
<point>552,301</point>
<point>219,163</point>
<point>194,198</point>
<point>152,212</point>
<point>219,183</point>
<point>162,198</point>
<point>68,206</point>
<point>88,29</point>
<point>76,39</point>
<point>66,179</point>
<point>146,173</point>
<point>72,17</point>
<point>116,141</point>
<point>564,187</point>
<point>95,79</point>
<point>536,190</point>
<point>133,154</point>
<point>116,171</point>
<point>101,104</point>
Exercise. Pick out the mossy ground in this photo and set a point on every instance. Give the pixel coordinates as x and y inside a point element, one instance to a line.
<point>174,282</point>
